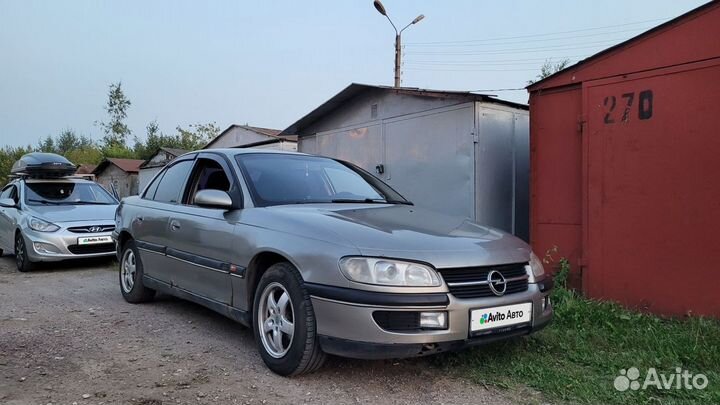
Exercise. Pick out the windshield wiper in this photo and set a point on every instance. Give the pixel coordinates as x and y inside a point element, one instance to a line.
<point>44,201</point>
<point>358,201</point>
<point>400,202</point>
<point>86,203</point>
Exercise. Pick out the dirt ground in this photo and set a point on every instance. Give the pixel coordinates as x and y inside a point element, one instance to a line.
<point>67,336</point>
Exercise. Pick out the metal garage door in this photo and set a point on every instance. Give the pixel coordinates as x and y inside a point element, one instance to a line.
<point>651,161</point>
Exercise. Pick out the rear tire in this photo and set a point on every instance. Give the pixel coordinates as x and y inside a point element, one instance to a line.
<point>282,306</point>
<point>131,276</point>
<point>22,260</point>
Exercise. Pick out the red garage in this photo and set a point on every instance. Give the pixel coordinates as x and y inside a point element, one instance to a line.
<point>625,168</point>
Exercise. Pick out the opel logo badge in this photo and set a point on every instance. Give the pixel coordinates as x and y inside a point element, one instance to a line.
<point>497,282</point>
<point>95,229</point>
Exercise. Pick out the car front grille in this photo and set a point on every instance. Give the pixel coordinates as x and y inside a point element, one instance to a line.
<point>92,228</point>
<point>471,282</point>
<point>90,249</point>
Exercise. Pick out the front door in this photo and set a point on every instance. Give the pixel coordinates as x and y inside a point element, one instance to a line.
<point>201,240</point>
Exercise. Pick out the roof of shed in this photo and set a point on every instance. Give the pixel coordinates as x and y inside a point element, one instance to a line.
<point>622,45</point>
<point>269,132</point>
<point>356,88</point>
<point>173,151</point>
<point>85,169</point>
<point>126,165</point>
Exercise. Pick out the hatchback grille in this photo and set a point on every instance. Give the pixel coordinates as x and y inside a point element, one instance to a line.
<point>480,274</point>
<point>92,228</point>
<point>90,249</point>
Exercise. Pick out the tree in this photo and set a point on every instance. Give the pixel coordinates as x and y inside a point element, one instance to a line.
<point>116,131</point>
<point>46,145</point>
<point>550,68</point>
<point>8,156</point>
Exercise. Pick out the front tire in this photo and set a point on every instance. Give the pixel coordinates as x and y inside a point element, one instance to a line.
<point>131,276</point>
<point>284,322</point>
<point>22,260</point>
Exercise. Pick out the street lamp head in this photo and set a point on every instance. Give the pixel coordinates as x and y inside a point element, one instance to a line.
<point>379,7</point>
<point>418,19</point>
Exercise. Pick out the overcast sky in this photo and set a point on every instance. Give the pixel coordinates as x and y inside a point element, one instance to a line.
<point>267,63</point>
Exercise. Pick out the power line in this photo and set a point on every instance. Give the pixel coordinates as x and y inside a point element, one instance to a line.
<point>439,63</point>
<point>537,35</point>
<point>516,50</point>
<point>528,40</point>
<point>506,60</point>
<point>467,70</point>
<point>506,89</point>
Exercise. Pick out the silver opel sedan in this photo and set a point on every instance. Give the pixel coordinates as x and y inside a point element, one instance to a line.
<point>320,257</point>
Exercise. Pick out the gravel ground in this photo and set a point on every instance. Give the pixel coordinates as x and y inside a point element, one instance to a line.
<point>67,336</point>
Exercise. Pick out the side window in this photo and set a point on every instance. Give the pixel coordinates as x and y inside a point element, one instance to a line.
<point>171,184</point>
<point>208,175</point>
<point>152,188</point>
<point>10,192</point>
<point>6,193</point>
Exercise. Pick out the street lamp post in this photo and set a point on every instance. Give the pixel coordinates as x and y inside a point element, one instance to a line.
<point>398,38</point>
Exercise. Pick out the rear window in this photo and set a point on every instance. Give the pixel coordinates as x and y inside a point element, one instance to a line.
<point>172,182</point>
<point>66,193</point>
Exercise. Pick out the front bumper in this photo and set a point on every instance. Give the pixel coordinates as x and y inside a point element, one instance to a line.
<point>348,329</point>
<point>63,245</point>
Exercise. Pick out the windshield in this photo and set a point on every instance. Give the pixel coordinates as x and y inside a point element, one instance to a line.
<point>66,193</point>
<point>276,179</point>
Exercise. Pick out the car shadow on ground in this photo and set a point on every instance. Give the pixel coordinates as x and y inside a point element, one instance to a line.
<point>65,265</point>
<point>229,330</point>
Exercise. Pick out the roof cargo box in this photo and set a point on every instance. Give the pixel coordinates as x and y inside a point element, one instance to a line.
<point>46,165</point>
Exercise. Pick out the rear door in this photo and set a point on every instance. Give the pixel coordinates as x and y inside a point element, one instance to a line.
<point>151,222</point>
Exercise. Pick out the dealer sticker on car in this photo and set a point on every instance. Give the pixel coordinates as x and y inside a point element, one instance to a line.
<point>92,240</point>
<point>497,317</point>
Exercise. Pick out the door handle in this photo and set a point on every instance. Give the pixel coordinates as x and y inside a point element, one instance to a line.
<point>174,225</point>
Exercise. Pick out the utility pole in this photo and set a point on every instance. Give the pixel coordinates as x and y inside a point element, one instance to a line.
<point>398,59</point>
<point>398,38</point>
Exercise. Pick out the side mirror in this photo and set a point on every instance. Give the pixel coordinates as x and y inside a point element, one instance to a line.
<point>7,203</point>
<point>213,199</point>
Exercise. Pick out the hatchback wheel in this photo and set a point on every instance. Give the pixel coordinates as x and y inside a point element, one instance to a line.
<point>22,261</point>
<point>284,322</point>
<point>131,272</point>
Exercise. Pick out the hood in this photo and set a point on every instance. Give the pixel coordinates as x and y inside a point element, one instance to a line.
<point>403,231</point>
<point>73,213</point>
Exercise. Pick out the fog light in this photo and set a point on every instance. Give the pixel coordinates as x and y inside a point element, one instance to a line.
<point>46,248</point>
<point>433,320</point>
<point>546,302</point>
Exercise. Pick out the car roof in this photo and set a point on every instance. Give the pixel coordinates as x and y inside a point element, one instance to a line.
<point>244,151</point>
<point>54,180</point>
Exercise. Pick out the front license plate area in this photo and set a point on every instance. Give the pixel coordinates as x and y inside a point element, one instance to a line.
<point>94,240</point>
<point>501,318</point>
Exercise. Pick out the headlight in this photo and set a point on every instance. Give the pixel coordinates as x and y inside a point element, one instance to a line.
<point>536,265</point>
<point>378,271</point>
<point>40,225</point>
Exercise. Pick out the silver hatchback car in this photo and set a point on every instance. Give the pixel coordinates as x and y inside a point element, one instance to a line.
<point>318,256</point>
<point>47,220</point>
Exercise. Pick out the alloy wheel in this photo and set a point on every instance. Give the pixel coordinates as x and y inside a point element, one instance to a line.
<point>19,251</point>
<point>276,320</point>
<point>128,268</point>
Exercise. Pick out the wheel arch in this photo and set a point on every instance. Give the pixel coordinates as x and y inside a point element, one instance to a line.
<point>257,267</point>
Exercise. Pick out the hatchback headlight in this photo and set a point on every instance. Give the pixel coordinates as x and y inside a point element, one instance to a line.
<point>41,225</point>
<point>536,265</point>
<point>388,272</point>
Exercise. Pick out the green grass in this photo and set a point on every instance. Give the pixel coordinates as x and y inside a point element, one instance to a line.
<point>577,358</point>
